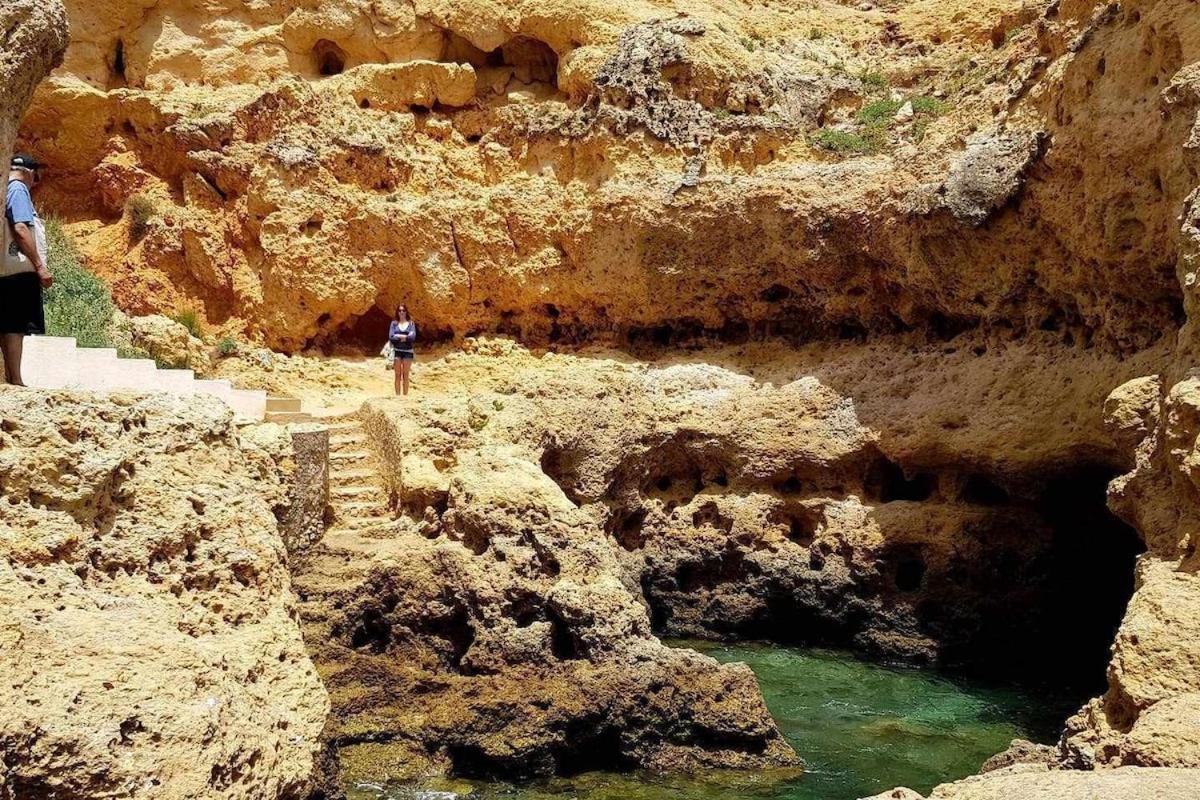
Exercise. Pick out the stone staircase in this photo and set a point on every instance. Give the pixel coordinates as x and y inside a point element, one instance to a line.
<point>56,362</point>
<point>358,495</point>
<point>286,409</point>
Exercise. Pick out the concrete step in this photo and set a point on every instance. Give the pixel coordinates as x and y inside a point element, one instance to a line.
<point>358,522</point>
<point>283,405</point>
<point>353,491</point>
<point>352,476</point>
<point>345,441</point>
<point>347,458</point>
<point>285,417</point>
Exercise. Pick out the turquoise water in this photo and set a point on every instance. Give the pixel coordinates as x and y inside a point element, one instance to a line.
<point>860,727</point>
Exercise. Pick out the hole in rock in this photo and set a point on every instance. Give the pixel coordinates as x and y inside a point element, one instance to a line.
<point>909,573</point>
<point>364,335</point>
<point>372,631</point>
<point>709,514</point>
<point>562,467</point>
<point>116,77</point>
<point>587,747</point>
<point>775,293</point>
<point>532,60</point>
<point>1089,572</point>
<point>328,58</point>
<point>626,527</point>
<point>562,642</point>
<point>982,490</point>
<point>459,633</point>
<point>886,481</point>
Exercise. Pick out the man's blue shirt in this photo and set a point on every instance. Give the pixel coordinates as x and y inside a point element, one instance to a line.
<point>19,207</point>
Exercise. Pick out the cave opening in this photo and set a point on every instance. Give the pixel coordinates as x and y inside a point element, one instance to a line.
<point>1089,569</point>
<point>366,334</point>
<point>530,60</point>
<point>116,69</point>
<point>328,58</point>
<point>1018,579</point>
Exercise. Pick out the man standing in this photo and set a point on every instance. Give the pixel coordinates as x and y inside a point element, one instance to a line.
<point>23,271</point>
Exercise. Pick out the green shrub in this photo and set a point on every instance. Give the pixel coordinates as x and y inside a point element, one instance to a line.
<point>748,43</point>
<point>880,112</point>
<point>141,210</point>
<point>190,319</point>
<point>923,104</point>
<point>919,129</point>
<point>815,33</point>
<point>131,351</point>
<point>78,304</point>
<point>876,81</point>
<point>228,346</point>
<point>845,141</point>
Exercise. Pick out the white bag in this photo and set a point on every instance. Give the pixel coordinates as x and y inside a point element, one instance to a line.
<point>13,261</point>
<point>389,355</point>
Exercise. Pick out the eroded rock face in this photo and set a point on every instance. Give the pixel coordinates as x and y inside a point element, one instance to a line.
<point>147,633</point>
<point>1129,783</point>
<point>798,504</point>
<point>34,39</point>
<point>1150,713</point>
<point>611,171</point>
<point>508,645</point>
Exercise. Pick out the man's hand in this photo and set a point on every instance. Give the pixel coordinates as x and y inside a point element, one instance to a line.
<point>44,276</point>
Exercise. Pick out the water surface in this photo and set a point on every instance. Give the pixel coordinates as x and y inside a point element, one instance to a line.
<point>860,727</point>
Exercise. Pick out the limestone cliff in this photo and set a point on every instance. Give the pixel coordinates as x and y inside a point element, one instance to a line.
<point>575,169</point>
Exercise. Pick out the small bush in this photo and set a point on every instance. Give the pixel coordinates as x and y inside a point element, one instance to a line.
<point>78,304</point>
<point>840,141</point>
<point>131,351</point>
<point>874,80</point>
<point>748,43</point>
<point>923,104</point>
<point>141,210</point>
<point>228,346</point>
<point>815,33</point>
<point>880,112</point>
<point>919,129</point>
<point>190,319</point>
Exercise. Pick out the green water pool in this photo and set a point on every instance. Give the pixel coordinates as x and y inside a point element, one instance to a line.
<point>860,727</point>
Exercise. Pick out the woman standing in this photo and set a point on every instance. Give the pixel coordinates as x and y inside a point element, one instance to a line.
<point>402,333</point>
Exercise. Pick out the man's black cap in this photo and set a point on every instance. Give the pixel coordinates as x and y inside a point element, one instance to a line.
<point>24,161</point>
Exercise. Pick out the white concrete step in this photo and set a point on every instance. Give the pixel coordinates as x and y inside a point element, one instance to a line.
<point>283,405</point>
<point>55,362</point>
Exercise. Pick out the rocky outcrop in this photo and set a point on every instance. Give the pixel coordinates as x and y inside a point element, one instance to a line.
<point>1150,714</point>
<point>147,633</point>
<point>804,504</point>
<point>1130,783</point>
<point>166,341</point>
<point>499,640</point>
<point>33,41</point>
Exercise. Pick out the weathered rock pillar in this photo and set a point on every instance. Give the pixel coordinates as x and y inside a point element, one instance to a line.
<point>33,37</point>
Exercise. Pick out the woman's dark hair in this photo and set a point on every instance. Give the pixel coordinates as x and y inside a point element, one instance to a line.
<point>404,308</point>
